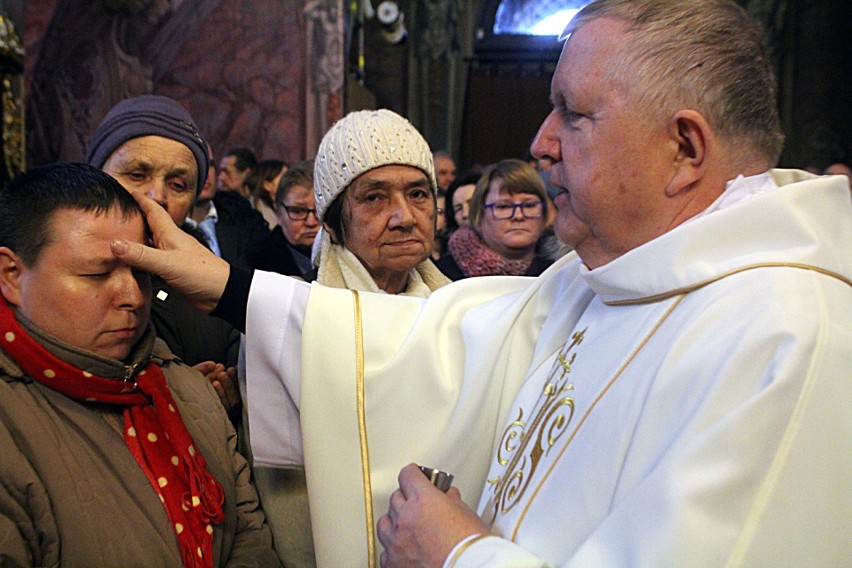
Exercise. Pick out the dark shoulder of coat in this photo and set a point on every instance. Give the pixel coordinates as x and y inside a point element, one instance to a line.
<point>539,265</point>
<point>273,254</point>
<point>191,335</point>
<point>447,264</point>
<point>239,226</point>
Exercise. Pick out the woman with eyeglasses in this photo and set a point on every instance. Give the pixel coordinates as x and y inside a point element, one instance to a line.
<point>287,249</point>
<point>508,216</point>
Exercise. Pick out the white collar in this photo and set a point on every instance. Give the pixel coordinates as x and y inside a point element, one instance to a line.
<point>737,190</point>
<point>211,214</point>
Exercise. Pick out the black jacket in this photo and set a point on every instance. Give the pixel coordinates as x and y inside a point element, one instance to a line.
<point>448,265</point>
<point>239,227</point>
<point>191,335</point>
<point>273,254</point>
<point>194,337</point>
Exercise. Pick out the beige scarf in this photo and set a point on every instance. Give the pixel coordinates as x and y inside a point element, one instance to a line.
<point>339,268</point>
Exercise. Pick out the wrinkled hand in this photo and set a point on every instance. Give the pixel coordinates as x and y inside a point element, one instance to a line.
<point>184,263</point>
<point>224,381</point>
<point>423,524</point>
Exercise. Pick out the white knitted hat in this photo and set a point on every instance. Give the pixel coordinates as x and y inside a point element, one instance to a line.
<point>361,141</point>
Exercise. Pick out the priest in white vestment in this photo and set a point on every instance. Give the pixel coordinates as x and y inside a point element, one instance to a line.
<point>672,395</point>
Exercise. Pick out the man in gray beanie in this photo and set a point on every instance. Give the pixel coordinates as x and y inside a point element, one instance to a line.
<point>151,144</point>
<point>374,187</point>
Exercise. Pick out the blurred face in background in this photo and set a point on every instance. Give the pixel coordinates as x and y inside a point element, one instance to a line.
<point>445,171</point>
<point>297,216</point>
<point>230,178</point>
<point>440,220</point>
<point>461,203</point>
<point>271,186</point>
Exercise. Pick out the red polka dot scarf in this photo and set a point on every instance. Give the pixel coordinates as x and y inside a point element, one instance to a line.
<point>154,433</point>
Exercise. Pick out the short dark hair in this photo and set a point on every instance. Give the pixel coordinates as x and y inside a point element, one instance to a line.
<point>244,158</point>
<point>28,203</point>
<point>333,219</point>
<point>467,178</point>
<point>265,170</point>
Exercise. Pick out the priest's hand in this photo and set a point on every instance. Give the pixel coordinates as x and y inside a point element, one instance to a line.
<point>423,524</point>
<point>183,262</point>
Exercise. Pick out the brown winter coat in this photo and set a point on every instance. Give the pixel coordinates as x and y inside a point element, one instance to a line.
<point>71,494</point>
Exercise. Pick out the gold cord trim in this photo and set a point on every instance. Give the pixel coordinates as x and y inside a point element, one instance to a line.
<point>589,411</point>
<point>693,287</point>
<point>464,547</point>
<point>362,428</point>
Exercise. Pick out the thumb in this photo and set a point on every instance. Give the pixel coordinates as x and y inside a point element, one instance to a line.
<point>137,255</point>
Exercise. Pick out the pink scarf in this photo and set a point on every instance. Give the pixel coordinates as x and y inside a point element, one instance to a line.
<point>476,259</point>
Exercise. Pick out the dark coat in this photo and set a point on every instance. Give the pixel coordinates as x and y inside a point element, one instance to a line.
<point>447,264</point>
<point>193,336</point>
<point>273,254</point>
<point>238,228</point>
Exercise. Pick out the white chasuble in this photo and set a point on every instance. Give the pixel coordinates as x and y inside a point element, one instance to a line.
<point>697,414</point>
<point>683,405</point>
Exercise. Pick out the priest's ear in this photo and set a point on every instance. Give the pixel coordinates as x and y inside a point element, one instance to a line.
<point>11,270</point>
<point>694,141</point>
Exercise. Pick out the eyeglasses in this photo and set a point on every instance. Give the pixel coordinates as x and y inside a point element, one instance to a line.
<point>529,209</point>
<point>297,213</point>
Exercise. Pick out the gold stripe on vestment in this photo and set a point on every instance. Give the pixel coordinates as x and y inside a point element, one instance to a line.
<point>464,547</point>
<point>362,428</point>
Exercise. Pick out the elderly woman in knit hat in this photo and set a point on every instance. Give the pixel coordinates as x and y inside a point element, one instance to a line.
<point>374,192</point>
<point>374,187</point>
<point>151,145</point>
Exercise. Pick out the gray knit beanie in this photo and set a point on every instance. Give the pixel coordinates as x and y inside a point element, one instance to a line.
<point>362,141</point>
<point>148,115</point>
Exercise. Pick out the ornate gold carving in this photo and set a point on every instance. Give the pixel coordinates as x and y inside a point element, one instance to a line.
<point>523,445</point>
<point>11,68</point>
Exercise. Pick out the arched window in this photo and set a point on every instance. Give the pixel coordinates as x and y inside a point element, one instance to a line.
<point>534,17</point>
<point>523,25</point>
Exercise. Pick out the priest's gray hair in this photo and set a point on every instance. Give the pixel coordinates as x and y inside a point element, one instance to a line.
<point>706,55</point>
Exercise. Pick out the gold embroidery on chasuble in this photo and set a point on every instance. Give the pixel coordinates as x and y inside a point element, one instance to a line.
<point>525,441</point>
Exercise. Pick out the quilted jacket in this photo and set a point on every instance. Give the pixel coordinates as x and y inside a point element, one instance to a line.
<point>71,494</point>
